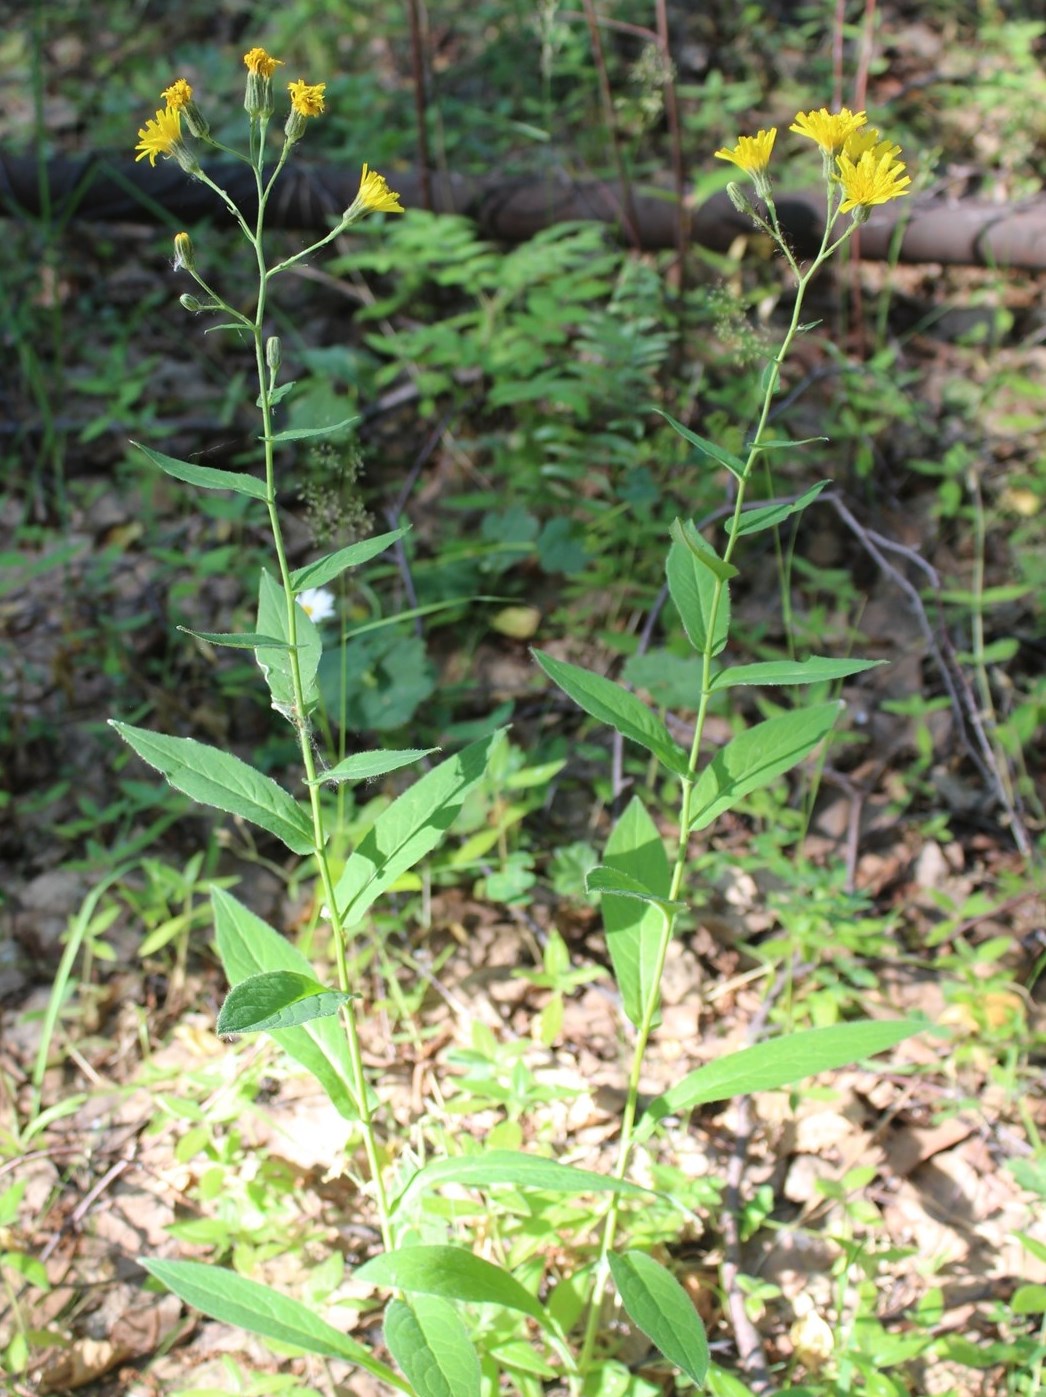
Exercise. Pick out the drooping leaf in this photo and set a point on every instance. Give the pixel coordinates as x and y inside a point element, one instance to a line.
<point>217,778</point>
<point>610,703</point>
<point>365,766</point>
<point>454,1274</point>
<point>277,999</point>
<point>661,1308</point>
<point>303,433</point>
<point>276,664</point>
<point>205,476</point>
<point>246,1304</point>
<point>427,1339</point>
<point>701,597</point>
<point>248,946</point>
<point>242,640</point>
<point>778,1063</point>
<point>816,669</point>
<point>733,463</point>
<point>635,929</point>
<point>755,757</point>
<point>509,1167</point>
<point>753,521</point>
<point>409,829</point>
<point>602,879</point>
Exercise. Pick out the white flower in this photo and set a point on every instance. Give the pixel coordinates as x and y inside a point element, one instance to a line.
<point>317,603</point>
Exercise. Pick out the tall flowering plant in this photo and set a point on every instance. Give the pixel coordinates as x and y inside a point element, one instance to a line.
<point>275,989</point>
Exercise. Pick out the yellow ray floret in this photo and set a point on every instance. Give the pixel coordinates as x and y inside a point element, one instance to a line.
<point>830,130</point>
<point>261,63</point>
<point>752,153</point>
<point>871,180</point>
<point>869,139</point>
<point>159,135</point>
<point>307,98</point>
<point>375,194</point>
<point>178,95</point>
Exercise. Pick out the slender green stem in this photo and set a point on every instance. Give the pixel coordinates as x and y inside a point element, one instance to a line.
<point>687,783</point>
<point>299,715</point>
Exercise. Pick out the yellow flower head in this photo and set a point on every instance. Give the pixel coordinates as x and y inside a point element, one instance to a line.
<point>306,98</point>
<point>752,153</point>
<point>868,139</point>
<point>873,179</point>
<point>830,130</point>
<point>160,135</point>
<point>178,95</point>
<point>260,63</point>
<point>375,194</point>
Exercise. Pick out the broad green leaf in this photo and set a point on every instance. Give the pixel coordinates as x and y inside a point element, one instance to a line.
<point>205,476</point>
<point>634,930</point>
<point>246,1304</point>
<point>778,1063</point>
<point>453,1273</point>
<point>1029,1300</point>
<point>427,1339</point>
<point>685,531</point>
<point>753,521</point>
<point>510,1167</point>
<point>276,664</point>
<point>733,463</point>
<point>365,766</point>
<point>810,671</point>
<point>325,570</point>
<point>248,946</point>
<point>217,778</point>
<point>610,703</point>
<point>661,1308</point>
<point>277,999</point>
<point>243,640</point>
<point>409,829</point>
<point>302,433</point>
<point>755,757</point>
<point>696,590</point>
<point>602,879</point>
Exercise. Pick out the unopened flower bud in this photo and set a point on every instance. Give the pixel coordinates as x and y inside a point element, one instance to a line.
<point>739,199</point>
<point>258,100</point>
<point>273,353</point>
<point>190,302</point>
<point>183,252</point>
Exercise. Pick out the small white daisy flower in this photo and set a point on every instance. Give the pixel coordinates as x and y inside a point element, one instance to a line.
<point>317,603</point>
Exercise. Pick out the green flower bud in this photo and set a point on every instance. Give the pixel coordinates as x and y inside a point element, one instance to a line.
<point>183,252</point>
<point>273,353</point>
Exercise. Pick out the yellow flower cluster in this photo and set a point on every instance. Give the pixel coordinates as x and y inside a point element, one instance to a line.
<point>866,167</point>
<point>162,134</point>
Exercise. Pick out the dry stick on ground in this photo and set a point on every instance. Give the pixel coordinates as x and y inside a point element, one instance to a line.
<point>963,704</point>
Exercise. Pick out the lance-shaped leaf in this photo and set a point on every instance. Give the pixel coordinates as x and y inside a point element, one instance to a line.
<point>277,999</point>
<point>304,433</point>
<point>635,929</point>
<point>610,703</point>
<point>325,570</point>
<point>777,1063</point>
<point>237,640</point>
<point>258,1309</point>
<point>661,1308</point>
<point>205,476</point>
<point>409,829</point>
<point>733,463</point>
<point>603,879</point>
<point>248,946</point>
<point>217,778</point>
<point>699,587</point>
<point>755,757</point>
<point>510,1167</point>
<point>753,521</point>
<point>275,664</point>
<point>365,766</point>
<point>815,670</point>
<point>453,1273</point>
<point>427,1339</point>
